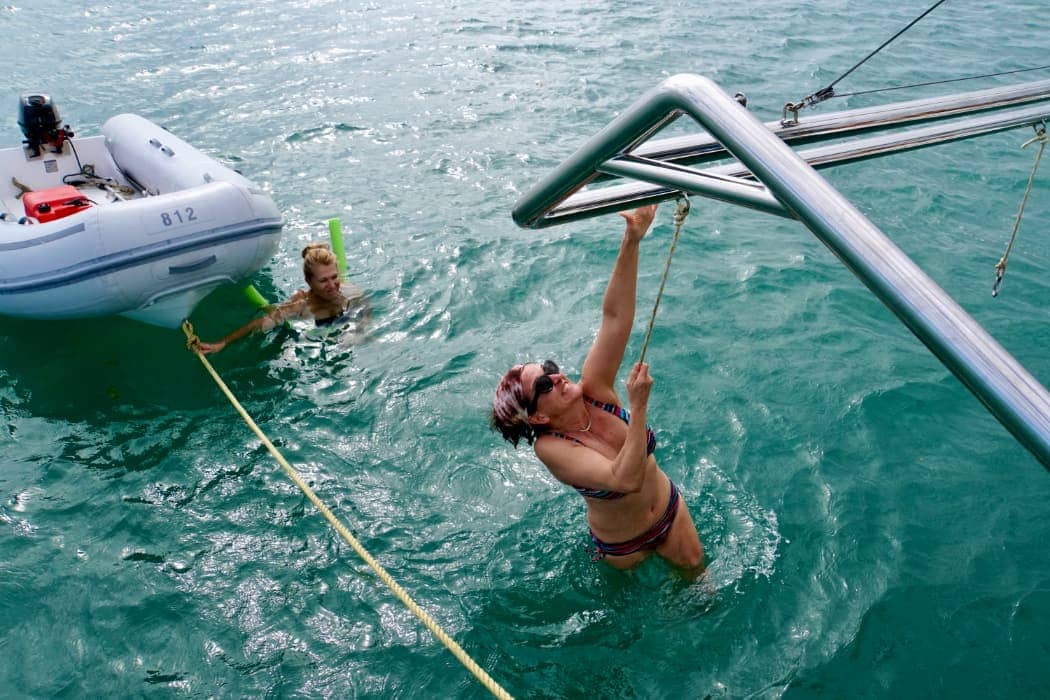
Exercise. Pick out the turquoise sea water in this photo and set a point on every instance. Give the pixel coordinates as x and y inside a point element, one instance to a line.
<point>871,530</point>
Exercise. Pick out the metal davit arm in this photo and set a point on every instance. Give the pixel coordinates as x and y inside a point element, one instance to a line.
<point>652,185</point>
<point>1012,395</point>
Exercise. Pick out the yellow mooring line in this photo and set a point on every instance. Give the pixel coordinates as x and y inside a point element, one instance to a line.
<point>193,343</point>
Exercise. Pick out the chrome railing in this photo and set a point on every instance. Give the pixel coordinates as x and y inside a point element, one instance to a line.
<point>788,185</point>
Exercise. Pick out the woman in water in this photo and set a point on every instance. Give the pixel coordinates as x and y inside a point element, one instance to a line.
<point>323,302</point>
<point>585,438</point>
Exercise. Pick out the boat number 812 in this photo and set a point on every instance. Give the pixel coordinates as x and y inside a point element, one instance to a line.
<point>176,217</point>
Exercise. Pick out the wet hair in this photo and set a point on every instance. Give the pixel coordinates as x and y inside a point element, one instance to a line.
<point>316,254</point>
<point>510,416</point>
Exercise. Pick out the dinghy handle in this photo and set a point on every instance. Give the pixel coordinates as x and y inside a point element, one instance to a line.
<point>163,149</point>
<point>193,266</point>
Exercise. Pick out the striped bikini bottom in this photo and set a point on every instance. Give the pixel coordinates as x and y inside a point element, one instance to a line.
<point>650,539</point>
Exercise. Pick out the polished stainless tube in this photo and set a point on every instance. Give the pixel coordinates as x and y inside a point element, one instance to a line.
<point>701,147</point>
<point>1009,392</point>
<point>647,187</point>
<point>746,193</point>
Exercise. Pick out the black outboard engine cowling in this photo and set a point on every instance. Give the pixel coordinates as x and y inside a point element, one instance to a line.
<point>38,117</point>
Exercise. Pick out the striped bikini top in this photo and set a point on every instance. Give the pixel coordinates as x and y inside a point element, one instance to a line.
<point>624,415</point>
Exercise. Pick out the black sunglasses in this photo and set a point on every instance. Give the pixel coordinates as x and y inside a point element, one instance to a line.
<point>543,384</point>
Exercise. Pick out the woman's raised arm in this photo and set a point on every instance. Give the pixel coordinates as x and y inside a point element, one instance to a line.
<point>606,354</point>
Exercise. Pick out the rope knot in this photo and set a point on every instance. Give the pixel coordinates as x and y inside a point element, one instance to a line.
<point>193,343</point>
<point>1040,137</point>
<point>682,211</point>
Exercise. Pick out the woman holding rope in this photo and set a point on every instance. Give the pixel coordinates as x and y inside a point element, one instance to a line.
<point>327,301</point>
<point>585,438</point>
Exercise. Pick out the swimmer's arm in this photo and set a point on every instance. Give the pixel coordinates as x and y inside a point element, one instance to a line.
<point>582,466</point>
<point>275,317</point>
<point>618,307</point>
<point>579,465</point>
<point>209,348</point>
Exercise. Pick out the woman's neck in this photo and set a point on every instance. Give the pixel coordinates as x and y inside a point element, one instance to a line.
<point>319,303</point>
<point>577,419</point>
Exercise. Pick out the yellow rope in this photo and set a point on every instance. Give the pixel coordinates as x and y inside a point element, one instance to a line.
<point>1000,267</point>
<point>193,343</point>
<point>679,218</point>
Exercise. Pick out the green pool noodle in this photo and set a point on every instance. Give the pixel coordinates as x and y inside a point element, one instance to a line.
<point>255,297</point>
<point>335,230</point>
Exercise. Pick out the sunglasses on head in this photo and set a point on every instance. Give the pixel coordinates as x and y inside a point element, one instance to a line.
<point>543,384</point>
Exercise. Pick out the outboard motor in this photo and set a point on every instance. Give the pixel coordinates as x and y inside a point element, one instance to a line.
<point>38,117</point>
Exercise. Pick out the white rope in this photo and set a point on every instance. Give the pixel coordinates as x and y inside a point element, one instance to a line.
<point>1000,267</point>
<point>193,343</point>
<point>679,218</point>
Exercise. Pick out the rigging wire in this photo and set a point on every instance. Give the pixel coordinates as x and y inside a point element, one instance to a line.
<point>829,91</point>
<point>939,82</point>
<point>883,45</point>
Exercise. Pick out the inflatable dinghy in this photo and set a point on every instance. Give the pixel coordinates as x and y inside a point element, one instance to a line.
<point>134,222</point>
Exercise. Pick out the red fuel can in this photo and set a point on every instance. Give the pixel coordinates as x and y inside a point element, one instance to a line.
<point>54,203</point>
